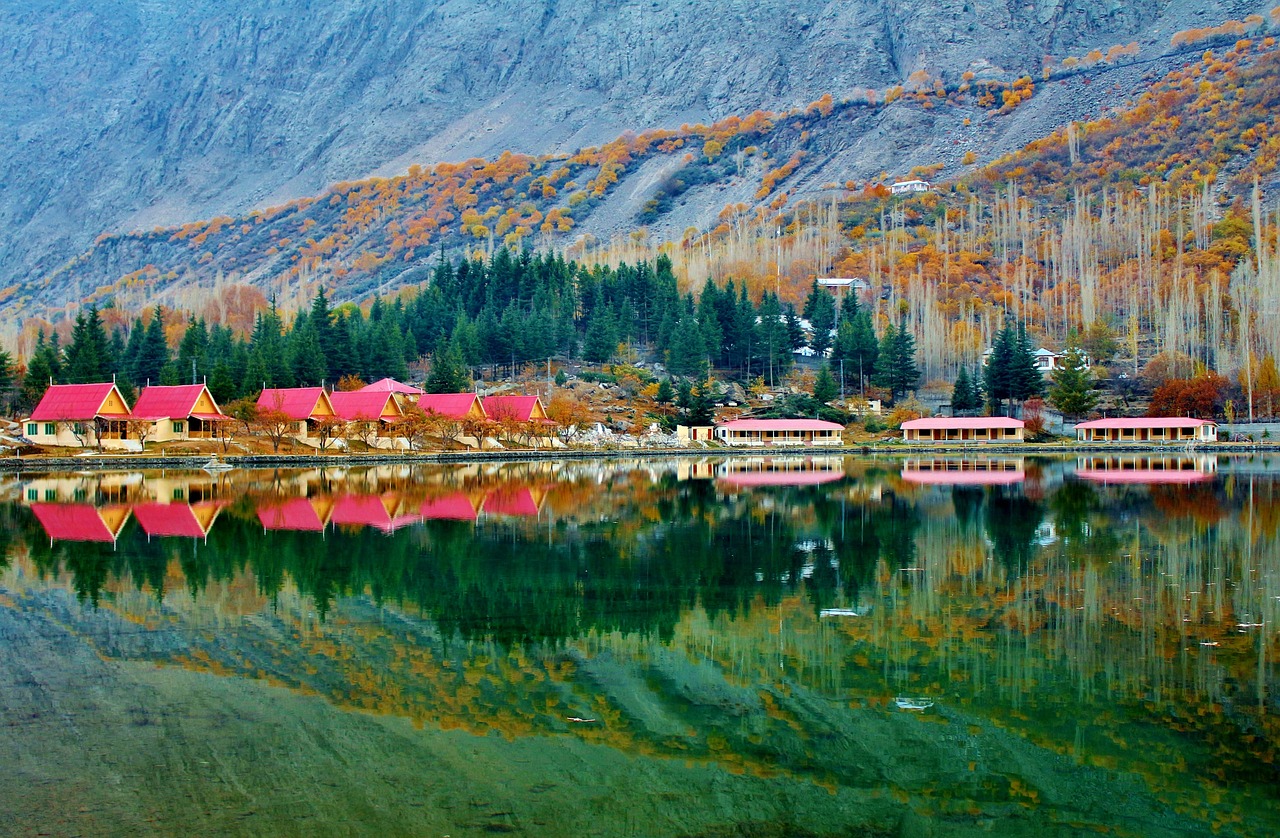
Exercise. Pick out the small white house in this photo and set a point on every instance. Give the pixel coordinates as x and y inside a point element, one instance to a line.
<point>906,187</point>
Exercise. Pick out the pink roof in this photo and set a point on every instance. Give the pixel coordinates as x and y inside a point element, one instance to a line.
<point>1147,422</point>
<point>74,402</point>
<point>519,408</point>
<point>781,478</point>
<point>780,425</point>
<point>390,385</point>
<point>364,511</point>
<point>963,478</point>
<point>168,519</point>
<point>1102,475</point>
<point>455,405</point>
<point>73,522</point>
<point>293,514</point>
<point>169,402</point>
<point>360,404</point>
<point>455,507</point>
<point>511,500</point>
<point>297,402</point>
<point>946,423</point>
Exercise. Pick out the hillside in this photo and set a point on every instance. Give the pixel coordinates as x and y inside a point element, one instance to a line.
<point>131,116</point>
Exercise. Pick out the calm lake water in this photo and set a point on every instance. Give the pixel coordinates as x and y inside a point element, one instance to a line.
<point>703,647</point>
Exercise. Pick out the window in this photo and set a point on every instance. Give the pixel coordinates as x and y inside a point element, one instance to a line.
<point>178,426</point>
<point>79,429</point>
<point>33,428</point>
<point>50,494</point>
<point>33,494</point>
<point>51,428</point>
<point>178,493</point>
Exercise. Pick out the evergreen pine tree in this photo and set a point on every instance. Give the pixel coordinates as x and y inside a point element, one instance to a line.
<point>87,357</point>
<point>896,368</point>
<point>822,319</point>
<point>448,372</point>
<point>153,352</point>
<point>825,387</point>
<point>1072,390</point>
<point>962,395</point>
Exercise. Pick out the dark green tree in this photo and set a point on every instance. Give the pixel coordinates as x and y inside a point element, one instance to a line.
<point>1072,388</point>
<point>88,355</point>
<point>896,368</point>
<point>964,396</point>
<point>825,387</point>
<point>448,371</point>
<point>820,311</point>
<point>153,352</point>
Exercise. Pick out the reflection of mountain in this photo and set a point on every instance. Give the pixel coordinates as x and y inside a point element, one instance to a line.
<point>686,621</point>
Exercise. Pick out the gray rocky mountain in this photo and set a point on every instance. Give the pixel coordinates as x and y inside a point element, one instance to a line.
<point>126,114</point>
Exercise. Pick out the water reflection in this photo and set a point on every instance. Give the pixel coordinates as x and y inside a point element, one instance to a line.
<point>767,616</point>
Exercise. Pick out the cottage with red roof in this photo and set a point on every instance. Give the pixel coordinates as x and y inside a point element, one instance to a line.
<point>187,411</point>
<point>983,429</point>
<point>81,416</point>
<point>1147,430</point>
<point>306,408</point>
<point>461,406</point>
<point>370,415</point>
<point>779,432</point>
<point>515,409</point>
<point>390,385</point>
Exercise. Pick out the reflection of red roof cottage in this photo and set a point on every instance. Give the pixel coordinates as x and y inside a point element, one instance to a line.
<point>297,514</point>
<point>183,412</point>
<point>68,414</point>
<point>81,521</point>
<point>511,500</point>
<point>454,507</point>
<point>453,405</point>
<point>177,519</point>
<point>515,409</point>
<point>378,511</point>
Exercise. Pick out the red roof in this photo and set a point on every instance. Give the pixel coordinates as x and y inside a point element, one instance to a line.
<point>455,507</point>
<point>293,514</point>
<point>368,511</point>
<point>360,405</point>
<point>963,478</point>
<point>170,402</point>
<point>296,402</point>
<point>782,478</point>
<point>518,408</point>
<point>390,385</point>
<point>511,500</point>
<point>75,402</point>
<point>169,519</point>
<point>1147,422</point>
<point>946,423</point>
<point>780,425</point>
<point>73,522</point>
<point>1103,475</point>
<point>454,405</point>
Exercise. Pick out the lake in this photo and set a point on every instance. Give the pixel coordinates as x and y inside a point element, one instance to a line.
<point>740,646</point>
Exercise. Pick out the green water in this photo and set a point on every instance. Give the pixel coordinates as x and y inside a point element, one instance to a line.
<point>703,647</point>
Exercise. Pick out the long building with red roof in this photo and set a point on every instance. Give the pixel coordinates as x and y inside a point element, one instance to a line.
<point>984,429</point>
<point>779,432</point>
<point>80,416</point>
<point>1148,429</point>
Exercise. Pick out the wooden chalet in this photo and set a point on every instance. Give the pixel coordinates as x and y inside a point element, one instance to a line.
<point>81,416</point>
<point>370,415</point>
<point>389,385</point>
<point>306,407</point>
<point>186,411</point>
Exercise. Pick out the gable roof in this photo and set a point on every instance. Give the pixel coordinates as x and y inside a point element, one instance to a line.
<point>780,425</point>
<point>453,507</point>
<point>159,402</point>
<point>454,405</point>
<point>177,519</point>
<point>519,408</point>
<point>390,385</point>
<point>294,514</point>
<point>80,521</point>
<point>367,405</point>
<point>76,402</point>
<point>511,500</point>
<point>1147,422</point>
<point>959,422</point>
<point>296,402</point>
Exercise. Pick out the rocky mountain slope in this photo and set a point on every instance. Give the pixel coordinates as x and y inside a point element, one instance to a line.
<point>128,115</point>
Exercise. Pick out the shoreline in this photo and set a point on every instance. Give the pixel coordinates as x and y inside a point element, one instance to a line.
<point>118,462</point>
